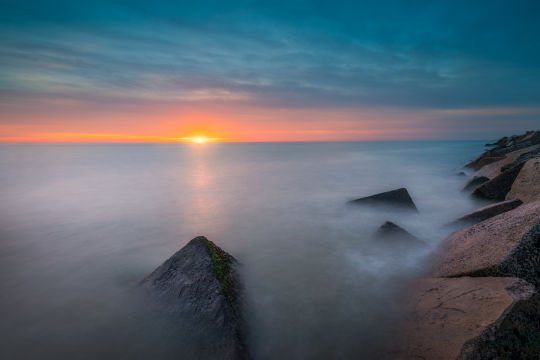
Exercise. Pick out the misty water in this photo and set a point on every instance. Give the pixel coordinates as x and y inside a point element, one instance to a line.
<point>81,225</point>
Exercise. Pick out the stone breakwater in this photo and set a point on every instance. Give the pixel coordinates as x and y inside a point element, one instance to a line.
<point>481,299</point>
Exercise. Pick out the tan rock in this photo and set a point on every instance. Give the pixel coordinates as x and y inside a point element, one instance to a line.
<point>504,245</point>
<point>488,211</point>
<point>505,146</point>
<point>494,169</point>
<point>498,187</point>
<point>514,336</point>
<point>526,186</point>
<point>445,314</point>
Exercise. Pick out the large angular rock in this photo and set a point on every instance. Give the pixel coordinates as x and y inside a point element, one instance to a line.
<point>482,161</point>
<point>447,317</point>
<point>526,186</point>
<point>514,336</point>
<point>508,161</point>
<point>199,285</point>
<point>505,146</point>
<point>523,157</point>
<point>504,245</point>
<point>474,182</point>
<point>498,187</point>
<point>392,232</point>
<point>398,198</point>
<point>489,211</point>
<point>496,168</point>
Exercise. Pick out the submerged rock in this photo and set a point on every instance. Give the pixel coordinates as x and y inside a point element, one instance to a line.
<point>399,198</point>
<point>505,245</point>
<point>201,286</point>
<point>474,182</point>
<point>526,186</point>
<point>447,317</point>
<point>489,211</point>
<point>391,231</point>
<point>498,187</point>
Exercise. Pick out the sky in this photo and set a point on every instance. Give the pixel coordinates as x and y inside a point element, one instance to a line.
<point>164,71</point>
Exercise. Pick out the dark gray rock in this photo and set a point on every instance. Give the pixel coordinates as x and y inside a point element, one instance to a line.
<point>199,285</point>
<point>461,173</point>
<point>489,211</point>
<point>398,198</point>
<point>499,186</point>
<point>524,261</point>
<point>514,336</point>
<point>391,231</point>
<point>474,182</point>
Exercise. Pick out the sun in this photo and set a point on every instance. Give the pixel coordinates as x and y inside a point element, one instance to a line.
<point>199,139</point>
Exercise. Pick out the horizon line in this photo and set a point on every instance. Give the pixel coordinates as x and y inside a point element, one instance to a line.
<point>225,142</point>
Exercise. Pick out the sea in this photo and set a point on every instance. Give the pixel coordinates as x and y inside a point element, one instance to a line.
<point>82,224</point>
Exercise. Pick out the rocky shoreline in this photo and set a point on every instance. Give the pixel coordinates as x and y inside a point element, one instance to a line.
<point>479,301</point>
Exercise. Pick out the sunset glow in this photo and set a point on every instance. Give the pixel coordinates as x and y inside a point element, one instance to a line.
<point>163,78</point>
<point>198,139</point>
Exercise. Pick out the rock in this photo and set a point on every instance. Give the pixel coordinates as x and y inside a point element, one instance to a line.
<point>494,169</point>
<point>200,286</point>
<point>514,336</point>
<point>489,211</point>
<point>526,186</point>
<point>501,141</point>
<point>461,173</point>
<point>532,136</point>
<point>523,157</point>
<point>505,146</point>
<point>474,182</point>
<point>504,245</point>
<point>500,165</point>
<point>391,231</point>
<point>498,187</point>
<point>482,161</point>
<point>517,142</point>
<point>481,301</point>
<point>399,198</point>
<point>447,316</point>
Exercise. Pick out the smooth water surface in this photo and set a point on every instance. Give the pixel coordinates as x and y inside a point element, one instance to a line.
<point>80,225</point>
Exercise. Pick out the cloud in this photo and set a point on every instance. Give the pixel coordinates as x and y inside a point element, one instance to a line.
<point>304,55</point>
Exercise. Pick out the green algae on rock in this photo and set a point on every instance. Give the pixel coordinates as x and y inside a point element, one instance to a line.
<point>222,264</point>
<point>200,289</point>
